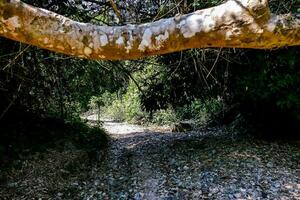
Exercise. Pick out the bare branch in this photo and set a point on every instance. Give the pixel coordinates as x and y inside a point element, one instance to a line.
<point>116,10</point>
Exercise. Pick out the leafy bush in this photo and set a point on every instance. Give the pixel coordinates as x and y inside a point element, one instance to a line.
<point>116,110</point>
<point>127,107</point>
<point>165,116</point>
<point>200,111</point>
<point>92,139</point>
<point>132,103</point>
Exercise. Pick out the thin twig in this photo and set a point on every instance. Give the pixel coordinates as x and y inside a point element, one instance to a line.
<point>218,56</point>
<point>116,10</point>
<point>11,103</point>
<point>16,57</point>
<point>179,63</point>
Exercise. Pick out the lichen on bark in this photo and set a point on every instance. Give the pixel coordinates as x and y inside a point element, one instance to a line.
<point>236,23</point>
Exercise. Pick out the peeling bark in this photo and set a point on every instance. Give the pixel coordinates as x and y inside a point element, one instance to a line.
<point>236,23</point>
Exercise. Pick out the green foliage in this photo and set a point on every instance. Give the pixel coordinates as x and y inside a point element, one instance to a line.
<point>200,111</point>
<point>165,117</point>
<point>165,88</point>
<point>105,100</point>
<point>283,7</point>
<point>125,108</point>
<point>155,82</point>
<point>268,91</point>
<point>132,103</point>
<point>62,88</point>
<point>199,4</point>
<point>116,111</point>
<point>128,108</point>
<point>96,102</point>
<point>276,80</point>
<point>203,111</point>
<point>18,140</point>
<point>92,139</point>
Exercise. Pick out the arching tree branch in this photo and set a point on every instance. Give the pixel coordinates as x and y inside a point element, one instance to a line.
<point>236,23</point>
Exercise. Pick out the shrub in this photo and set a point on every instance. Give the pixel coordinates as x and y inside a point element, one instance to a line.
<point>31,133</point>
<point>115,111</point>
<point>202,111</point>
<point>165,117</point>
<point>91,139</point>
<point>127,107</point>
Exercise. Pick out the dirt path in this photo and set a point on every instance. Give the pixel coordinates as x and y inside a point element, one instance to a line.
<point>141,164</point>
<point>118,129</point>
<point>203,164</point>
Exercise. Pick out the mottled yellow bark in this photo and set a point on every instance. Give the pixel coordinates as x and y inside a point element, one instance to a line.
<point>236,23</point>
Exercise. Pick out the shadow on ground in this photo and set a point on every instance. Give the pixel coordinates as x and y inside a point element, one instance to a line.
<point>201,164</point>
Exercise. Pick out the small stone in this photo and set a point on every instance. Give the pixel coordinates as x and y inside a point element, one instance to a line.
<point>269,164</point>
<point>75,184</point>
<point>215,190</point>
<point>12,184</point>
<point>274,189</point>
<point>185,167</point>
<point>60,194</point>
<point>277,185</point>
<point>197,195</point>
<point>264,195</point>
<point>289,187</point>
<point>172,161</point>
<point>138,196</point>
<point>97,182</point>
<point>237,195</point>
<point>243,190</point>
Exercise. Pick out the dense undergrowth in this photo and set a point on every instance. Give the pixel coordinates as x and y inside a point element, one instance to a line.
<point>261,87</point>
<point>129,108</point>
<point>23,134</point>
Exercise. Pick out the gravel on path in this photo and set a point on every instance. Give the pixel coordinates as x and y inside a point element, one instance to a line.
<point>201,164</point>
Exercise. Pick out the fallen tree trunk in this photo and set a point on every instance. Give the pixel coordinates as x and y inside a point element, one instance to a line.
<point>236,23</point>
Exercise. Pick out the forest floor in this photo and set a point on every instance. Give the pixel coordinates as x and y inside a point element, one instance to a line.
<point>142,163</point>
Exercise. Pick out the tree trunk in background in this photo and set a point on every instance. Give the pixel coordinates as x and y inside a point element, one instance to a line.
<point>236,23</point>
